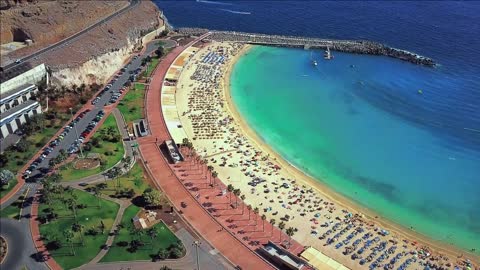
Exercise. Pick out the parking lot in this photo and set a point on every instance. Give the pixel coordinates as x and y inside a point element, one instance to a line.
<point>77,130</point>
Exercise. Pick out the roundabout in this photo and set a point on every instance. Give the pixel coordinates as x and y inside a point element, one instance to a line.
<point>14,240</point>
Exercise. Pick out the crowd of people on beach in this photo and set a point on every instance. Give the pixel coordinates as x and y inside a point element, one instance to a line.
<point>347,236</point>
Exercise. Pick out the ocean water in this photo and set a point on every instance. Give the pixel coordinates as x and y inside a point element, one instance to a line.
<point>358,123</point>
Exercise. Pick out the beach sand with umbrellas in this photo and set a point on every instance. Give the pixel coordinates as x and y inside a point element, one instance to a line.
<point>323,219</point>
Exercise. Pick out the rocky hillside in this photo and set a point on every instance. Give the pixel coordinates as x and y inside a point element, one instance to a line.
<point>97,54</point>
<point>46,21</point>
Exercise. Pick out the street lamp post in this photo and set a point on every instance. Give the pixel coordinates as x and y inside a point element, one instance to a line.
<point>76,133</point>
<point>196,243</point>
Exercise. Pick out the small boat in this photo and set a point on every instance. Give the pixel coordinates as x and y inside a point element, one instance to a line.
<point>314,62</point>
<point>327,55</point>
<point>420,92</point>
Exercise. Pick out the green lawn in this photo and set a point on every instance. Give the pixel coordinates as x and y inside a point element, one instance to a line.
<point>13,210</point>
<point>17,159</point>
<point>151,66</point>
<point>131,105</point>
<point>164,239</point>
<point>114,149</point>
<point>89,217</point>
<point>134,179</point>
<point>5,189</point>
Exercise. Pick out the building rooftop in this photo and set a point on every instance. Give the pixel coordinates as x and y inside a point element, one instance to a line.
<point>14,71</point>
<point>14,112</point>
<point>14,93</point>
<point>276,252</point>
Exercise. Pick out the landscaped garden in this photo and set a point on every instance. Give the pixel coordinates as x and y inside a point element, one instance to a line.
<point>151,66</point>
<point>127,186</point>
<point>36,134</point>
<point>107,143</point>
<point>4,189</point>
<point>130,244</point>
<point>131,106</point>
<point>74,224</point>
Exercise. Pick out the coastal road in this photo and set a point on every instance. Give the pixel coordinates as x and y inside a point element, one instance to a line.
<point>65,41</point>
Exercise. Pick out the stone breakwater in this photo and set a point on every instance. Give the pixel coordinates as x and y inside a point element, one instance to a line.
<point>350,46</point>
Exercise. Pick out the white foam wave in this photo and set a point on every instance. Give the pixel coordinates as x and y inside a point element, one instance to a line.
<point>236,12</point>
<point>213,2</point>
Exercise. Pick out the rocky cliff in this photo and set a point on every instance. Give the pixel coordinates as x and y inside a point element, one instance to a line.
<point>97,54</point>
<point>46,22</point>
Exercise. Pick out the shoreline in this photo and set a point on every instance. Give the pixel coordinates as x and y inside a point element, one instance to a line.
<point>367,214</point>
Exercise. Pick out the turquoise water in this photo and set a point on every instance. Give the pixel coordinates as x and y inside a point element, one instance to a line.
<point>368,133</point>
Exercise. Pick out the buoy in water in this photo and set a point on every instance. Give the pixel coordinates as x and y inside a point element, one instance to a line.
<point>420,91</point>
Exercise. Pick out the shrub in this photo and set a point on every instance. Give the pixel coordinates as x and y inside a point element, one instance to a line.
<point>122,244</point>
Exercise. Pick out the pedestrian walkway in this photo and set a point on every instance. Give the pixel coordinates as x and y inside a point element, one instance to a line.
<point>123,205</point>
<point>233,249</point>
<point>37,238</point>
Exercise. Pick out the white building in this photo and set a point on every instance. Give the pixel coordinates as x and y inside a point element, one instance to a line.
<point>16,108</point>
<point>16,103</point>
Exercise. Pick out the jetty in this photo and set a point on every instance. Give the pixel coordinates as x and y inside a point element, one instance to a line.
<point>350,46</point>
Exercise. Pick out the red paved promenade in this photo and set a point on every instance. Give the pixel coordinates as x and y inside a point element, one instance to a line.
<point>222,240</point>
<point>37,238</point>
<point>234,232</point>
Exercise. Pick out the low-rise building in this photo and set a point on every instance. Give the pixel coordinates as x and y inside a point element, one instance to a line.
<point>17,104</point>
<point>16,108</point>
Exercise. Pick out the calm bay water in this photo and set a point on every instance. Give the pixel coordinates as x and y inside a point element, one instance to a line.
<point>366,131</point>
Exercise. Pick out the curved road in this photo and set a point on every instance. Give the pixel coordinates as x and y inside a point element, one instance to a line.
<point>132,4</point>
<point>15,243</point>
<point>20,248</point>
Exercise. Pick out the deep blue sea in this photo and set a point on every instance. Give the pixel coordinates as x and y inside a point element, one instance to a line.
<point>370,134</point>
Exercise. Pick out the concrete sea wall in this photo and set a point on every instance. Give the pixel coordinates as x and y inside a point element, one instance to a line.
<point>350,46</point>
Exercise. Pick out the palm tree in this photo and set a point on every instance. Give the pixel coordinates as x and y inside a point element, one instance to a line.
<point>68,234</point>
<point>79,228</point>
<point>96,193</point>
<point>236,192</point>
<point>214,175</point>
<point>272,221</point>
<point>72,203</point>
<point>126,164</point>
<point>263,222</point>
<point>210,169</point>
<point>290,232</point>
<point>230,188</point>
<point>281,226</point>
<point>153,234</point>
<point>243,202</point>
<point>249,207</point>
<point>204,162</point>
<point>255,211</point>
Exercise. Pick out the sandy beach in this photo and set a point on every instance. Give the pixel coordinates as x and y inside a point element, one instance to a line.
<point>331,223</point>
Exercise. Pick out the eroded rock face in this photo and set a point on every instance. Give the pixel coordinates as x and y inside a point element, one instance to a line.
<point>49,21</point>
<point>97,54</point>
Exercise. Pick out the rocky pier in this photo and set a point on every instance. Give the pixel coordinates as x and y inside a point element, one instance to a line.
<point>350,46</point>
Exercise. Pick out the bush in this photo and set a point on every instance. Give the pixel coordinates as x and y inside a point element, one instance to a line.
<point>92,232</point>
<point>22,145</point>
<point>3,160</point>
<point>122,244</point>
<point>87,147</point>
<point>175,253</point>
<point>95,141</point>
<point>53,245</point>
